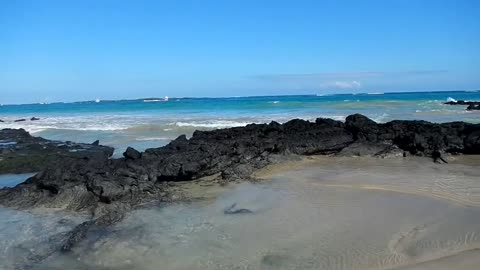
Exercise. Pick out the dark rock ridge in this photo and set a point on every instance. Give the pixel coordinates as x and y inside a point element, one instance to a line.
<point>20,152</point>
<point>21,120</point>
<point>472,105</point>
<point>108,188</point>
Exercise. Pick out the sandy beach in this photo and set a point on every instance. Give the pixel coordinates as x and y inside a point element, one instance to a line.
<point>316,213</point>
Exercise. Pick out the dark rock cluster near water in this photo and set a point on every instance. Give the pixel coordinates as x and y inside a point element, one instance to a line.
<point>22,120</point>
<point>108,188</point>
<point>20,152</point>
<point>471,105</point>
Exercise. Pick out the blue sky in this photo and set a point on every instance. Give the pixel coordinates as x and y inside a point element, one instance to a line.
<point>82,50</point>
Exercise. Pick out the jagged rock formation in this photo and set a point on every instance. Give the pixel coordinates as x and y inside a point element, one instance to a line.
<point>20,152</point>
<point>110,187</point>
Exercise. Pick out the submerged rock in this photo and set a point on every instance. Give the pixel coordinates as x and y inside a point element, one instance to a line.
<point>20,120</point>
<point>34,119</point>
<point>232,210</point>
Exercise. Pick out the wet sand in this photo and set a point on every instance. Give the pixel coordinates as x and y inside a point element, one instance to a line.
<point>465,260</point>
<point>318,213</point>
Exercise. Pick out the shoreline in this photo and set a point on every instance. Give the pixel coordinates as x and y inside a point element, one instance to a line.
<point>110,188</point>
<point>306,173</point>
<point>207,192</point>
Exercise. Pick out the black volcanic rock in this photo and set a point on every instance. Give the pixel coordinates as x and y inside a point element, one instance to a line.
<point>462,102</point>
<point>131,153</point>
<point>20,120</point>
<point>20,152</point>
<point>34,119</point>
<point>108,188</point>
<point>472,105</point>
<point>89,177</point>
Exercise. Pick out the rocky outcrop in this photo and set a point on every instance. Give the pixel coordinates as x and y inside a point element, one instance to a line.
<point>20,152</point>
<point>108,188</point>
<point>472,105</point>
<point>415,137</point>
<point>84,175</point>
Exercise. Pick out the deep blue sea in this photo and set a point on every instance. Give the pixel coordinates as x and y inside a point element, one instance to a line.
<point>146,123</point>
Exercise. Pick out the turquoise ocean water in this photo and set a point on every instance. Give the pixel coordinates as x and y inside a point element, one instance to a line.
<point>153,122</point>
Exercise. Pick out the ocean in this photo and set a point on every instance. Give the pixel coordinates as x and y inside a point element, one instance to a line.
<point>153,122</point>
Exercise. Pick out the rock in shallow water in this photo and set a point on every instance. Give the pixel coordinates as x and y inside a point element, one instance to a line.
<point>473,107</point>
<point>90,178</point>
<point>21,153</point>
<point>233,210</point>
<point>109,187</point>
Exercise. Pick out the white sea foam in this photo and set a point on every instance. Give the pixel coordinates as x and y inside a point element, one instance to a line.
<point>449,99</point>
<point>381,118</point>
<point>152,100</point>
<point>212,124</point>
<point>155,100</point>
<point>152,138</point>
<point>82,123</point>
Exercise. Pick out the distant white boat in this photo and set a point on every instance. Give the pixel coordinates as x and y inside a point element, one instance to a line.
<point>165,98</point>
<point>97,100</point>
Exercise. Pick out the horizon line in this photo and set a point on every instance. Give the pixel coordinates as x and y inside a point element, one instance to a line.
<point>224,97</point>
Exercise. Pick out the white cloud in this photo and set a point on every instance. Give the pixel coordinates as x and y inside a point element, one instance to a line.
<point>341,84</point>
